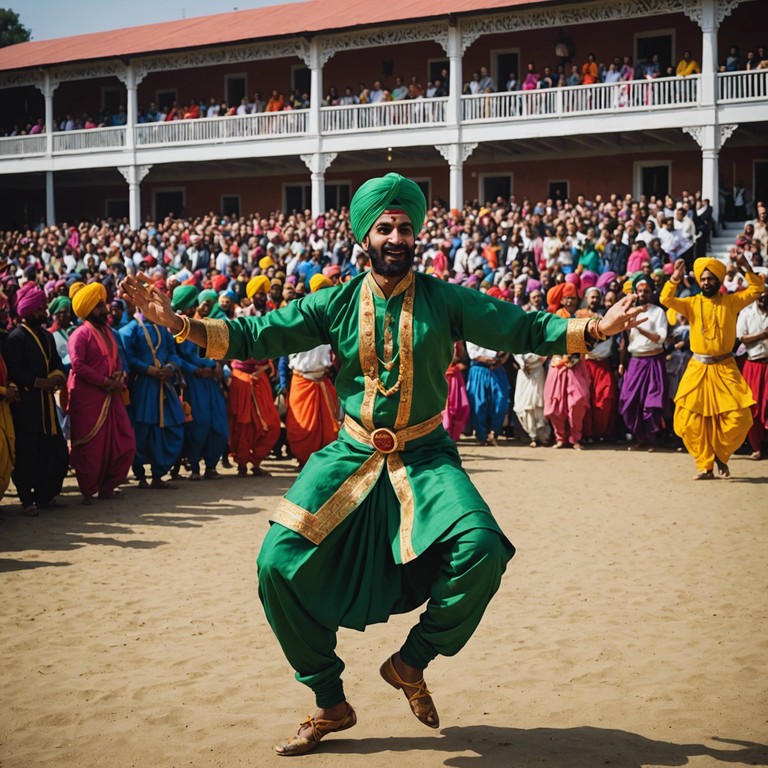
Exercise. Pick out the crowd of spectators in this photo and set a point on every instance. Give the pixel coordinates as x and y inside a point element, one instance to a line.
<point>564,73</point>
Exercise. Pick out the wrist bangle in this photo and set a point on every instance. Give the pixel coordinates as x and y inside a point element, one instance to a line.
<point>673,281</point>
<point>186,327</point>
<point>598,334</point>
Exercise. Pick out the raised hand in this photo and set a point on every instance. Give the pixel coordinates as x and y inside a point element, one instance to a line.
<point>151,302</point>
<point>679,270</point>
<point>622,316</point>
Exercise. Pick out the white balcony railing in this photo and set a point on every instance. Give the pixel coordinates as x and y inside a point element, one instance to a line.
<point>381,116</point>
<point>742,86</point>
<point>582,99</point>
<point>89,140</point>
<point>22,146</point>
<point>213,130</point>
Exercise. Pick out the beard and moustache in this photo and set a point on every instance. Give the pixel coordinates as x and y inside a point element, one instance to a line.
<point>711,289</point>
<point>382,267</point>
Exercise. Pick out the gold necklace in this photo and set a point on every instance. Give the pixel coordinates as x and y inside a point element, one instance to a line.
<point>715,325</point>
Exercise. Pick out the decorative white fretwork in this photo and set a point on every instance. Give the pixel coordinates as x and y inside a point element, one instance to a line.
<point>456,153</point>
<point>726,131</point>
<point>695,132</point>
<point>319,162</point>
<point>567,15</point>
<point>384,37</point>
<point>235,55</point>
<point>141,172</point>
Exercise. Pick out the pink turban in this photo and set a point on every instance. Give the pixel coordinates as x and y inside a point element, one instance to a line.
<point>588,280</point>
<point>30,301</point>
<point>604,279</point>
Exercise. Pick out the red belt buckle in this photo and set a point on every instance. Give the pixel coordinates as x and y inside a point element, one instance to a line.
<point>384,440</point>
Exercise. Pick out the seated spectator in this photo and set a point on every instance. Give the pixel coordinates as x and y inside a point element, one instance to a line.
<point>486,84</point>
<point>213,109</point>
<point>687,66</point>
<point>611,75</point>
<point>512,82</point>
<point>400,91</point>
<point>733,62</point>
<point>415,89</point>
<point>276,102</point>
<point>546,80</point>
<point>258,105</point>
<point>627,71</point>
<point>349,98</point>
<point>574,78</point>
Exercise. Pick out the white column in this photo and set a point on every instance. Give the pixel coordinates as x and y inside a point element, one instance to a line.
<point>318,163</point>
<point>709,27</point>
<point>455,76</point>
<point>50,201</point>
<point>316,86</point>
<point>131,81</point>
<point>134,174</point>
<point>455,155</point>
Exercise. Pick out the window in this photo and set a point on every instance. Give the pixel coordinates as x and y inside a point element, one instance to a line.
<point>336,195</point>
<point>296,197</point>
<point>235,88</point>
<point>166,98</point>
<point>166,202</point>
<point>652,177</point>
<point>760,185</point>
<point>493,186</point>
<point>230,205</point>
<point>558,190</point>
<point>435,68</point>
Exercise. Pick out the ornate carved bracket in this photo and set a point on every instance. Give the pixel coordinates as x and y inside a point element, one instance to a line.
<point>140,170</point>
<point>456,154</point>
<point>319,162</point>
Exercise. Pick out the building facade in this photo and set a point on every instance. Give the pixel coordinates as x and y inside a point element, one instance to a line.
<point>659,135</point>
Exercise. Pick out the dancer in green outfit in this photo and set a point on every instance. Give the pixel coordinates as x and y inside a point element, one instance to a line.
<point>384,519</point>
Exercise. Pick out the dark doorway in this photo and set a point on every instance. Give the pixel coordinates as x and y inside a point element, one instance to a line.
<point>436,67</point>
<point>336,196</point>
<point>235,91</point>
<point>654,180</point>
<point>166,99</point>
<point>296,197</point>
<point>761,181</point>
<point>169,201</point>
<point>660,45</point>
<point>558,190</point>
<point>496,186</point>
<point>230,205</point>
<point>117,209</point>
<point>506,63</point>
<point>302,80</point>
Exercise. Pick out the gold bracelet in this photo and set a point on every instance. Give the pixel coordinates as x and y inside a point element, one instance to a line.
<point>186,327</point>
<point>673,281</point>
<point>597,333</point>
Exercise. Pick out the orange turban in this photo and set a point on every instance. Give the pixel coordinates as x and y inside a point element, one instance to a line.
<point>86,299</point>
<point>556,295</point>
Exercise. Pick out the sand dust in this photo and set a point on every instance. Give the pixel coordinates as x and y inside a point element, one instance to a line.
<point>631,629</point>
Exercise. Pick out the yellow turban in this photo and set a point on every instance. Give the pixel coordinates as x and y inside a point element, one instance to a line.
<point>87,298</point>
<point>717,268</point>
<point>265,262</point>
<point>316,282</point>
<point>627,287</point>
<point>258,284</point>
<point>74,288</point>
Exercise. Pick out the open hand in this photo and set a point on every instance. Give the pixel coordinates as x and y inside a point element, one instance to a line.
<point>622,316</point>
<point>152,303</point>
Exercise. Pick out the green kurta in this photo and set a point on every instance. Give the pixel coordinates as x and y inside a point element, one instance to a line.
<point>441,314</point>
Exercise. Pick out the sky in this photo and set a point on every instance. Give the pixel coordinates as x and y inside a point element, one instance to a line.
<point>62,18</point>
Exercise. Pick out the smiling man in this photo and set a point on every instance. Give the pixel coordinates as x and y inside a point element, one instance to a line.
<point>383,519</point>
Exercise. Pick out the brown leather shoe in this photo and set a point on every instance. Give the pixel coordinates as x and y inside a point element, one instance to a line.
<point>300,745</point>
<point>420,700</point>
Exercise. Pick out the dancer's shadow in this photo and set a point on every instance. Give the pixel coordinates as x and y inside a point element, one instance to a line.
<point>582,747</point>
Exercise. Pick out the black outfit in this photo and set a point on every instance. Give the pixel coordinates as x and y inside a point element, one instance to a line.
<point>41,450</point>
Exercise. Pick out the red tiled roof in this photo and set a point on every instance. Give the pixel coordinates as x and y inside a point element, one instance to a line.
<point>292,19</point>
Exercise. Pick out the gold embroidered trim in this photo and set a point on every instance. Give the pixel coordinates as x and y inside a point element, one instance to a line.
<point>402,436</point>
<point>333,410</point>
<point>405,357</point>
<point>398,476</point>
<point>574,338</point>
<point>404,284</point>
<point>367,351</point>
<point>99,422</point>
<point>346,499</point>
<point>217,338</point>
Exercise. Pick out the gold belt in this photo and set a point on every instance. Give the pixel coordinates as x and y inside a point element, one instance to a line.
<point>386,440</point>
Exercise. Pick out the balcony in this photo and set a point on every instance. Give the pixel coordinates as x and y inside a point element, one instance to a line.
<point>739,89</point>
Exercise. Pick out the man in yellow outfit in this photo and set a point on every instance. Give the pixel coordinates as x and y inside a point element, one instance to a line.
<point>712,413</point>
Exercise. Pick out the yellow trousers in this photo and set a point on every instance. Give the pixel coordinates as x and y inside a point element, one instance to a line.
<point>707,437</point>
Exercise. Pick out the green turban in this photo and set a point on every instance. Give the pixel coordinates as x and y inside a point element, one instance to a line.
<point>184,297</point>
<point>208,295</point>
<point>642,278</point>
<point>59,303</point>
<point>379,194</point>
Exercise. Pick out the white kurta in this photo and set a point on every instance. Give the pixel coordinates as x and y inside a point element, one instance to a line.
<point>529,396</point>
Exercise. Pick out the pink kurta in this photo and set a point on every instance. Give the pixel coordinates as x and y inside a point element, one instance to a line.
<point>103,443</point>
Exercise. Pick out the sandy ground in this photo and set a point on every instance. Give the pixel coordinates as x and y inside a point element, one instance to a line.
<point>631,628</point>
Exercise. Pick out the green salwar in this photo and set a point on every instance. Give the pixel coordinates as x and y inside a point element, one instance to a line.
<point>361,536</point>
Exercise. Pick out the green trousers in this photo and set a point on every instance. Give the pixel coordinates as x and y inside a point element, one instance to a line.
<point>351,579</point>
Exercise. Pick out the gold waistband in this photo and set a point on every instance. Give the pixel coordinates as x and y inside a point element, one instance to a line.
<point>386,440</point>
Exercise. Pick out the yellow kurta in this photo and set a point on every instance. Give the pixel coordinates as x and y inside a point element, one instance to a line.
<point>7,443</point>
<point>712,413</point>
